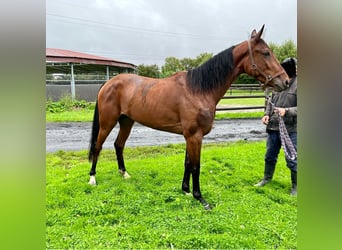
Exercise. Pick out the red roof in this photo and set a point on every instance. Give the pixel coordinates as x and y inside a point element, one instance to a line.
<point>61,55</point>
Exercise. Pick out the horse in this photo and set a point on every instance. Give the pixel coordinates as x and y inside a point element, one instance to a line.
<point>183,103</point>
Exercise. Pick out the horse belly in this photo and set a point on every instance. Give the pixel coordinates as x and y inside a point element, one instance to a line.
<point>164,120</point>
<point>154,103</point>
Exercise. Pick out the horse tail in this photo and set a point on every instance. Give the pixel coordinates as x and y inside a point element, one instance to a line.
<point>94,132</point>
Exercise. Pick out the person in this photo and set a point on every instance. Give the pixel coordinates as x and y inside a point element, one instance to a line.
<point>284,104</point>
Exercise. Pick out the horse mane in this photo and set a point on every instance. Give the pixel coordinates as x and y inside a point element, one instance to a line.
<point>211,74</point>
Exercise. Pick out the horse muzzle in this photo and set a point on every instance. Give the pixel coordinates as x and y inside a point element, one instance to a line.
<point>280,85</point>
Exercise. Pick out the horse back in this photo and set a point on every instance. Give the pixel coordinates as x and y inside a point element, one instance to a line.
<point>152,102</point>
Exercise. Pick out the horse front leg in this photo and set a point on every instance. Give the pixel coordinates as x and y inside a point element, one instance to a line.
<point>187,173</point>
<point>193,148</point>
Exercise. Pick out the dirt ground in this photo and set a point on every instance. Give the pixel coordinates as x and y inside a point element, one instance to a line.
<point>76,135</point>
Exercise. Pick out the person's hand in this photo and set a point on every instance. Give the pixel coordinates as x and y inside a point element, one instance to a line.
<point>265,119</point>
<point>280,111</point>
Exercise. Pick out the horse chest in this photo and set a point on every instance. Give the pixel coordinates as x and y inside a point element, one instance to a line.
<point>200,122</point>
<point>205,118</point>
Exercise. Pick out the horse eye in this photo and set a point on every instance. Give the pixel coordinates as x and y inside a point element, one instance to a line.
<point>267,53</point>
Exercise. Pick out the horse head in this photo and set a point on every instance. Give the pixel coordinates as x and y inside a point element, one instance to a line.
<point>261,63</point>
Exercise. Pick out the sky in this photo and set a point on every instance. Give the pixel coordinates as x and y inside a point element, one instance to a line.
<point>148,31</point>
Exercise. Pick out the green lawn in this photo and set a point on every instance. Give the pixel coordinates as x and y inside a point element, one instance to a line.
<point>77,115</point>
<point>243,102</point>
<point>150,211</point>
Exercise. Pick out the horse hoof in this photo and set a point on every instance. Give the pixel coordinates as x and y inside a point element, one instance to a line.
<point>207,207</point>
<point>125,175</point>
<point>92,181</point>
<point>187,193</point>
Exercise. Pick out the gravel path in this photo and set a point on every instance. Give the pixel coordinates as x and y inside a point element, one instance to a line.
<point>76,135</point>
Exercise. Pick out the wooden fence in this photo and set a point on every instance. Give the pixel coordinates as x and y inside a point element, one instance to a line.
<point>246,87</point>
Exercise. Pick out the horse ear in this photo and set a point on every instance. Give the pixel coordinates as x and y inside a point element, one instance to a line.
<point>260,33</point>
<point>253,33</point>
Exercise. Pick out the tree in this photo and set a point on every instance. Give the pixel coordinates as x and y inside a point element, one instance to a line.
<point>245,79</point>
<point>149,70</point>
<point>187,63</point>
<point>171,66</point>
<point>202,58</point>
<point>285,50</point>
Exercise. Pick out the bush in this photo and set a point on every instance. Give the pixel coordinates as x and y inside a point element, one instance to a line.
<point>66,104</point>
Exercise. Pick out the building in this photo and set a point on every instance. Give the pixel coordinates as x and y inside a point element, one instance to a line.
<point>79,74</point>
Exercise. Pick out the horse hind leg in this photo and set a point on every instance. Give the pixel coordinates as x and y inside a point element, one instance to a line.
<point>103,134</point>
<point>126,125</point>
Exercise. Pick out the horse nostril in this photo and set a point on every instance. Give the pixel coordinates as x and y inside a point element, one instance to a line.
<point>287,83</point>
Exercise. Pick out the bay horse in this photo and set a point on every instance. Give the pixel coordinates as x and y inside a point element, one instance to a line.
<point>183,103</point>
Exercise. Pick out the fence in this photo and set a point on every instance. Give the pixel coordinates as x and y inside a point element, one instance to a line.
<point>246,88</point>
<point>87,92</point>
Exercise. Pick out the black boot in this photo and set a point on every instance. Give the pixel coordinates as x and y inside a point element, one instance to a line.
<point>268,175</point>
<point>294,183</point>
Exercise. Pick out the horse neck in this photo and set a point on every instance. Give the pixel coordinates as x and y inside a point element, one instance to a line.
<point>240,53</point>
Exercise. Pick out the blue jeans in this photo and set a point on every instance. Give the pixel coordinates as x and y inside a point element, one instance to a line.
<point>273,148</point>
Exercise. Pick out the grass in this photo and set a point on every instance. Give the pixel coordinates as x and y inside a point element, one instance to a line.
<point>238,115</point>
<point>243,102</point>
<point>76,115</point>
<point>150,211</point>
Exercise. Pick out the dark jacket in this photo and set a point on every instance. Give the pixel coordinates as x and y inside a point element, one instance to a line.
<point>285,99</point>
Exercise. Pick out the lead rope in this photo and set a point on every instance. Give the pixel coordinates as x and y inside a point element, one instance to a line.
<point>286,142</point>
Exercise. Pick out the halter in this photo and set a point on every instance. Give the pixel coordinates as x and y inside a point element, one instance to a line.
<point>268,78</point>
